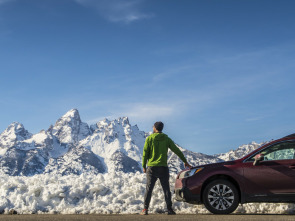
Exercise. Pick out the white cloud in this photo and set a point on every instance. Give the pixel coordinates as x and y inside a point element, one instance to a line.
<point>126,11</point>
<point>143,112</point>
<point>150,111</point>
<point>172,72</point>
<point>97,119</point>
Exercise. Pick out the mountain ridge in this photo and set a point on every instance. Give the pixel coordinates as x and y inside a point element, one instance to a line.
<point>71,146</point>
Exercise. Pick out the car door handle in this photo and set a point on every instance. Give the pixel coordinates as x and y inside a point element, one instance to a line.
<point>292,167</point>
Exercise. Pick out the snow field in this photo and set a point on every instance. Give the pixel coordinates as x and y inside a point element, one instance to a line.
<point>108,193</point>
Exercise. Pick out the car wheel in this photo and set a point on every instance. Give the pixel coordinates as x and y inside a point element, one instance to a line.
<point>221,197</point>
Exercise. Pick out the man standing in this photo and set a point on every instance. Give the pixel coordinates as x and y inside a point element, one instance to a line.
<point>155,153</point>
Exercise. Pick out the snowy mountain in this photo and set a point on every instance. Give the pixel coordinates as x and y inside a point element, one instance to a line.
<point>73,147</point>
<point>69,129</point>
<point>76,161</point>
<point>12,135</point>
<point>176,165</point>
<point>239,153</point>
<point>118,143</point>
<point>76,168</point>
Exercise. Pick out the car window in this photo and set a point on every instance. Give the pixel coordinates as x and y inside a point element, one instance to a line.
<point>281,151</point>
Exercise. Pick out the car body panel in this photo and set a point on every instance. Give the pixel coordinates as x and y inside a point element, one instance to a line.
<point>270,177</point>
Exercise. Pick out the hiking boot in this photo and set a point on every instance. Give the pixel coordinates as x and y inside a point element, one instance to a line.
<point>144,212</point>
<point>171,212</point>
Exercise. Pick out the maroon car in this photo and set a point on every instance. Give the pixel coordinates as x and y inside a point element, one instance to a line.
<point>265,175</point>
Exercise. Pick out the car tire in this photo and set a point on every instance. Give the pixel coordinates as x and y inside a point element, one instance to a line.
<point>221,197</point>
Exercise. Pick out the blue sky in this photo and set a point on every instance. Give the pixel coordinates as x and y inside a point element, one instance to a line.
<point>219,74</point>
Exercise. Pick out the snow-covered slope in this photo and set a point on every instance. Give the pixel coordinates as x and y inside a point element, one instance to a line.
<point>76,161</point>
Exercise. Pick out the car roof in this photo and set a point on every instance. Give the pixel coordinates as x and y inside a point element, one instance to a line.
<point>291,135</point>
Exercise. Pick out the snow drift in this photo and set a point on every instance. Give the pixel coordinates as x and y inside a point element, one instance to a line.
<point>108,193</point>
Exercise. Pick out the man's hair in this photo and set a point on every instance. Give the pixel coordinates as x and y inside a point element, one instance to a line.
<point>159,126</point>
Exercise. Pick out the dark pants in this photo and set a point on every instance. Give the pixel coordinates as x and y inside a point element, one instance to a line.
<point>153,173</point>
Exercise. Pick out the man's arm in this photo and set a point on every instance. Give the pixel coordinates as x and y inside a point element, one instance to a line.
<point>145,154</point>
<point>178,152</point>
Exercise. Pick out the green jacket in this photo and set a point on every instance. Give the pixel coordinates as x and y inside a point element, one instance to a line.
<point>156,148</point>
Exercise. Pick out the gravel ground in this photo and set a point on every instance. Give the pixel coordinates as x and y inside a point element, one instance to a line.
<point>234,217</point>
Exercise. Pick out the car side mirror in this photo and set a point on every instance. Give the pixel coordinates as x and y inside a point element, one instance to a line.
<point>259,157</point>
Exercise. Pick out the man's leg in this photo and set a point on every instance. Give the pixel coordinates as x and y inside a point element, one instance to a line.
<point>150,183</point>
<point>164,179</point>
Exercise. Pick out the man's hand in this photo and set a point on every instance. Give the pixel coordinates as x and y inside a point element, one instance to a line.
<point>187,165</point>
<point>144,170</point>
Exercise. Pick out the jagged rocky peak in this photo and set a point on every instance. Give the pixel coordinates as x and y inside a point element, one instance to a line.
<point>18,130</point>
<point>124,121</point>
<point>13,133</point>
<point>111,124</point>
<point>69,128</point>
<point>50,129</point>
<point>121,123</point>
<point>71,116</point>
<point>109,136</point>
<point>100,125</point>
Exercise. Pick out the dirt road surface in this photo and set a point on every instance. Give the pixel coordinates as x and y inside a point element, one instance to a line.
<point>156,217</point>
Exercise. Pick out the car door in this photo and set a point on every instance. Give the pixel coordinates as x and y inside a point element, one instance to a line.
<point>273,179</point>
